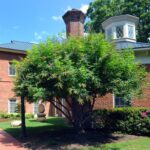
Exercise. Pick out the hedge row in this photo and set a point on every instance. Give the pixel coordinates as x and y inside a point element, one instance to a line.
<point>126,120</point>
<point>15,116</point>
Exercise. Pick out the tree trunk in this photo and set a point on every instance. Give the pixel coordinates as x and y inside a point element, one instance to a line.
<point>81,115</point>
<point>23,125</point>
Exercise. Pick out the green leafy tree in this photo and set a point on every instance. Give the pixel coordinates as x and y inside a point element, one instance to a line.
<point>78,70</point>
<point>100,10</point>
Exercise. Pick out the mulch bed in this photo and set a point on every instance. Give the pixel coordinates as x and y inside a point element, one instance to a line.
<point>5,119</point>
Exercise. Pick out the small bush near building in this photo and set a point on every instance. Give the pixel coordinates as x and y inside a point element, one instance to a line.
<point>15,116</point>
<point>126,120</point>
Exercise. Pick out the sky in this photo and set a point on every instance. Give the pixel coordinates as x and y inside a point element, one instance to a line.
<point>34,20</point>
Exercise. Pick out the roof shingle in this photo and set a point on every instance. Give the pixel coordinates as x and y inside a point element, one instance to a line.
<point>17,45</point>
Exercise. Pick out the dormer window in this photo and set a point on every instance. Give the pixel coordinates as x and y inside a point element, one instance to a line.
<point>121,28</point>
<point>130,31</point>
<point>119,31</point>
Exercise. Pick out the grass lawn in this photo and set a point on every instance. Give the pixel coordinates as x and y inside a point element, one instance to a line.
<point>35,128</point>
<point>143,143</point>
<point>55,133</point>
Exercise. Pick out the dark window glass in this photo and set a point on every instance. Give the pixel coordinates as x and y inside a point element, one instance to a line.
<point>120,102</point>
<point>119,32</point>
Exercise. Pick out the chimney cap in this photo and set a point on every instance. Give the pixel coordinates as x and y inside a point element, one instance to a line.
<point>74,15</point>
<point>74,9</point>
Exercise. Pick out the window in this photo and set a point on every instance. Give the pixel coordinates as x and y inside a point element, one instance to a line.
<point>109,33</point>
<point>59,103</point>
<point>12,106</point>
<point>12,70</point>
<point>119,31</point>
<point>120,102</point>
<point>35,107</point>
<point>130,32</point>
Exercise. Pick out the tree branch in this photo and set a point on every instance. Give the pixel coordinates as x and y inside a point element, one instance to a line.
<point>52,102</point>
<point>60,103</point>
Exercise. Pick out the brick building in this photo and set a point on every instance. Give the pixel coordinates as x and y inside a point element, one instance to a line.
<point>120,28</point>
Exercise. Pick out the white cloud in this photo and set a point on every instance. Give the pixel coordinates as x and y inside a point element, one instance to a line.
<point>84,8</point>
<point>57,18</point>
<point>45,33</point>
<point>40,35</point>
<point>34,42</point>
<point>67,9</point>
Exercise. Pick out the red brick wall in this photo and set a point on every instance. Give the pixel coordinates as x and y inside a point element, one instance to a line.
<point>75,29</point>
<point>5,58</point>
<point>145,100</point>
<point>6,81</point>
<point>105,102</point>
<point>74,21</point>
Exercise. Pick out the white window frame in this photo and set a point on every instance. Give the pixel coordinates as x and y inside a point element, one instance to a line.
<point>56,103</point>
<point>35,103</point>
<point>129,25</point>
<point>9,101</point>
<point>9,66</point>
<point>62,108</point>
<point>63,103</point>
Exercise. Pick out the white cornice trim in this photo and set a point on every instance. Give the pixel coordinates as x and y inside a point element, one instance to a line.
<point>126,17</point>
<point>142,49</point>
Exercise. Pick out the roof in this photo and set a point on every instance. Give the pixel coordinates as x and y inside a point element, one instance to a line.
<point>119,18</point>
<point>17,45</point>
<point>133,45</point>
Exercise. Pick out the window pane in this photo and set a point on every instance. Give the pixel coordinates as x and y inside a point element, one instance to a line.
<point>119,31</point>
<point>130,31</point>
<point>12,70</point>
<point>120,102</point>
<point>109,33</point>
<point>36,105</point>
<point>12,106</point>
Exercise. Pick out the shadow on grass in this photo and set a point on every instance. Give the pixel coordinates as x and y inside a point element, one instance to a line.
<point>55,133</point>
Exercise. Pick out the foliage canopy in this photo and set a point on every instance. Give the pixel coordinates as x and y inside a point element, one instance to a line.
<point>79,68</point>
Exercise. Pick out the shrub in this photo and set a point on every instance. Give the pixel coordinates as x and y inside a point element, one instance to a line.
<point>15,116</point>
<point>125,120</point>
<point>4,115</point>
<point>29,116</point>
<point>18,108</point>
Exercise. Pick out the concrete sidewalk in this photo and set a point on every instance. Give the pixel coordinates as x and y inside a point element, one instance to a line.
<point>7,142</point>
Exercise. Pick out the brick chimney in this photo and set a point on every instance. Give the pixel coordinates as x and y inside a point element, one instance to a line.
<point>74,20</point>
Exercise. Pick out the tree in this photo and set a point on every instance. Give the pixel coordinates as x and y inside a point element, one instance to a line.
<point>100,10</point>
<point>78,70</point>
